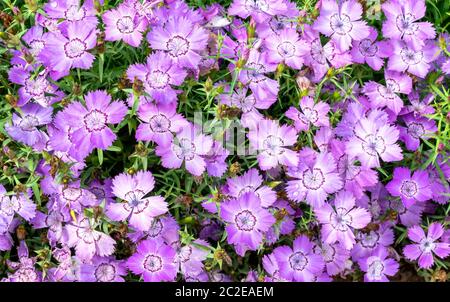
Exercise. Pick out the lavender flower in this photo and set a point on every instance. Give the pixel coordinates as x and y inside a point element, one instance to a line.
<point>311,114</point>
<point>377,266</point>
<point>103,269</point>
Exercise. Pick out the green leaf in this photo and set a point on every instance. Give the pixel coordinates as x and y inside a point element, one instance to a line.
<point>100,156</point>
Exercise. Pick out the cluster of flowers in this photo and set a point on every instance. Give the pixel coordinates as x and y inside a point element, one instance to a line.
<point>349,209</point>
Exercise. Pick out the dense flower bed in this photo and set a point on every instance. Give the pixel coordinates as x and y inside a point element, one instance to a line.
<point>257,140</point>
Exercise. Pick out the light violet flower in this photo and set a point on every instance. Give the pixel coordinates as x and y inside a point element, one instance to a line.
<point>342,22</point>
<point>103,269</point>
<point>138,208</point>
<point>311,114</point>
<point>87,242</point>
<point>62,53</point>
<point>159,74</point>
<point>181,39</point>
<point>299,263</point>
<point>372,141</point>
<point>124,23</point>
<point>19,203</point>
<point>24,127</point>
<point>369,241</point>
<point>154,261</point>
<point>334,255</point>
<point>188,146</point>
<point>159,123</point>
<point>313,183</point>
<point>251,181</point>
<point>89,122</point>
<point>72,11</point>
<point>410,189</point>
<point>339,222</point>
<point>425,246</point>
<point>370,51</point>
<point>260,10</point>
<point>286,47</point>
<point>416,62</point>
<point>416,128</point>
<point>246,222</point>
<point>401,17</point>
<point>377,266</point>
<point>271,141</point>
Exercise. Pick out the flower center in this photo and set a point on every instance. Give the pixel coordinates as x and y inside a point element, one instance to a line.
<point>313,179</point>
<point>341,220</point>
<point>286,49</point>
<point>75,13</point>
<point>185,149</point>
<point>370,240</point>
<point>376,269</point>
<point>153,263</point>
<point>159,123</point>
<point>158,79</point>
<point>411,57</point>
<point>255,72</point>
<point>318,52</point>
<point>135,202</point>
<point>427,245</point>
<point>373,145</point>
<point>416,130</point>
<point>71,193</point>
<point>105,272</point>
<point>409,188</point>
<point>177,46</point>
<point>406,25</point>
<point>36,87</point>
<point>95,120</point>
<point>75,48</point>
<point>298,261</point>
<point>29,123</point>
<point>273,145</point>
<point>348,168</point>
<point>341,24</point>
<point>367,48</point>
<point>256,5</point>
<point>245,221</point>
<point>36,46</point>
<point>156,228</point>
<point>125,25</point>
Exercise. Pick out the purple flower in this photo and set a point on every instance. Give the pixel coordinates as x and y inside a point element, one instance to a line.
<point>215,160</point>
<point>377,266</point>
<point>103,269</point>
<point>54,221</point>
<point>264,88</point>
<point>370,51</point>
<point>298,263</point>
<point>381,96</point>
<point>71,11</point>
<point>246,222</point>
<point>190,257</point>
<point>86,240</point>
<point>181,39</point>
<point>367,242</point>
<point>260,10</point>
<point>356,177</point>
<point>426,245</point>
<point>408,216</point>
<point>34,88</point>
<point>251,181</point>
<point>401,17</point>
<point>410,189</point>
<point>416,128</point>
<point>19,203</point>
<point>271,141</point>
<point>342,23</point>
<point>338,222</point>
<point>286,47</point>
<point>314,182</point>
<point>188,146</point>
<point>270,265</point>
<point>158,75</point>
<point>124,23</point>
<point>372,141</point>
<point>446,67</point>
<point>138,208</point>
<point>24,128</point>
<point>159,123</point>
<point>62,53</point>
<point>89,123</point>
<point>35,38</point>
<point>334,255</point>
<point>163,228</point>
<point>311,114</point>
<point>154,261</point>
<point>416,62</point>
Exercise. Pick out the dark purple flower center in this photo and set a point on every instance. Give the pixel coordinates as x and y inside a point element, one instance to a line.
<point>135,203</point>
<point>95,120</point>
<point>158,79</point>
<point>185,149</point>
<point>427,245</point>
<point>153,263</point>
<point>341,220</point>
<point>184,254</point>
<point>159,123</point>
<point>405,24</point>
<point>373,145</point>
<point>370,240</point>
<point>75,13</point>
<point>286,49</point>
<point>36,46</point>
<point>318,53</point>
<point>75,48</point>
<point>298,261</point>
<point>255,72</point>
<point>416,130</point>
<point>36,87</point>
<point>409,188</point>
<point>156,228</point>
<point>411,57</point>
<point>368,48</point>
<point>245,221</point>
<point>29,123</point>
<point>72,194</point>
